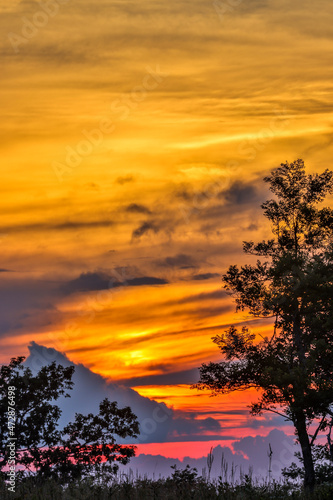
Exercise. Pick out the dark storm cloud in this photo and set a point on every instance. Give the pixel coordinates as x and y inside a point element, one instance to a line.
<point>92,281</point>
<point>230,202</point>
<point>146,280</point>
<point>146,227</point>
<point>182,377</point>
<point>218,208</point>
<point>137,208</point>
<point>56,226</point>
<point>181,260</point>
<point>26,301</point>
<point>89,281</point>
<point>211,424</point>
<point>185,427</point>
<point>124,180</point>
<point>205,276</point>
<point>239,194</point>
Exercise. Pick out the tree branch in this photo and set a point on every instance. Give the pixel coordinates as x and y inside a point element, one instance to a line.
<point>317,430</point>
<point>278,413</point>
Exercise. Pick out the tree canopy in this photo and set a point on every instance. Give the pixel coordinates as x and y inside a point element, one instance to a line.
<point>292,282</point>
<point>86,444</point>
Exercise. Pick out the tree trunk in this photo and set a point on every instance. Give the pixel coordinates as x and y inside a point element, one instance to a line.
<point>300,420</point>
<point>303,437</point>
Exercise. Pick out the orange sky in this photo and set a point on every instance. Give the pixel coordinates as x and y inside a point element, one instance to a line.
<point>134,142</point>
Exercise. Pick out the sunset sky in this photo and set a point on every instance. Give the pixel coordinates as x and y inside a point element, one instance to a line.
<point>135,137</point>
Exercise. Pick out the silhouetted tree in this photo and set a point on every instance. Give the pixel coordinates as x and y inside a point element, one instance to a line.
<point>84,445</point>
<point>293,368</point>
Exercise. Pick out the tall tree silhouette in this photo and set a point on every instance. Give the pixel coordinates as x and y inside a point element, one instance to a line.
<point>292,282</point>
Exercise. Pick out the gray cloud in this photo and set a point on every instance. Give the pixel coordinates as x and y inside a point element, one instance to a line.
<point>158,423</point>
<point>240,193</point>
<point>252,227</point>
<point>146,227</point>
<point>205,276</point>
<point>56,226</point>
<point>245,454</point>
<point>89,281</point>
<point>97,280</point>
<point>137,208</point>
<point>181,260</point>
<point>124,180</point>
<point>282,447</point>
<point>26,302</point>
<point>146,280</point>
<point>181,377</point>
